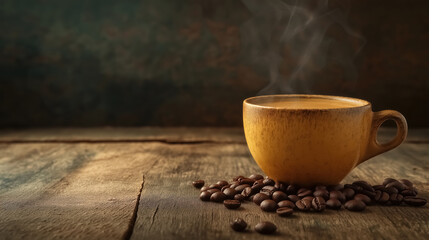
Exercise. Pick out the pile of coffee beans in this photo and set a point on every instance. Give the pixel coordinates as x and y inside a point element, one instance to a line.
<point>284,198</point>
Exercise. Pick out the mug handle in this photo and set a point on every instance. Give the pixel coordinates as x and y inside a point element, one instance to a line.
<point>374,147</point>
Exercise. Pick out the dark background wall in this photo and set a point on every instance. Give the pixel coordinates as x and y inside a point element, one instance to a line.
<point>183,63</point>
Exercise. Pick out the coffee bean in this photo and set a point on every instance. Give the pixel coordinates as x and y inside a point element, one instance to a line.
<point>415,201</point>
<point>269,190</point>
<point>320,187</point>
<point>348,193</point>
<point>309,198</point>
<point>265,227</point>
<point>337,187</point>
<point>234,185</point>
<point>205,188</point>
<point>215,186</point>
<point>256,176</point>
<point>354,187</point>
<point>225,187</point>
<point>268,205</point>
<point>246,181</point>
<point>303,192</point>
<point>241,187</point>
<point>322,193</point>
<point>232,204</point>
<point>239,225</point>
<point>333,203</point>
<point>284,211</point>
<point>388,180</point>
<point>407,183</point>
<point>378,187</point>
<point>268,181</point>
<point>396,198</point>
<point>303,205</point>
<point>239,197</point>
<point>259,197</point>
<point>381,197</point>
<point>355,205</point>
<point>294,198</point>
<point>229,193</point>
<point>222,183</point>
<point>257,186</point>
<point>368,193</point>
<point>337,195</point>
<point>213,190</point>
<point>247,192</point>
<point>391,190</point>
<point>409,192</point>
<point>364,185</point>
<point>218,197</point>
<point>286,203</point>
<point>205,196</point>
<point>318,204</point>
<point>281,186</point>
<point>279,196</point>
<point>198,183</point>
<point>291,189</point>
<point>363,198</point>
<point>398,185</point>
<point>237,178</point>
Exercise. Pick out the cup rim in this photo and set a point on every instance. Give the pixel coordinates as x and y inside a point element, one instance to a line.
<point>362,103</point>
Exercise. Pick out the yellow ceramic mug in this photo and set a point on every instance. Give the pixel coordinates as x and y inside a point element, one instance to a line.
<point>314,139</point>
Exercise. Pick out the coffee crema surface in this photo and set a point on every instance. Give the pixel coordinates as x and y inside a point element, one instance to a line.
<point>306,103</point>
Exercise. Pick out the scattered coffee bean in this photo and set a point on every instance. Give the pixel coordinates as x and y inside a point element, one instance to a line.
<point>232,204</point>
<point>259,197</point>
<point>279,196</point>
<point>281,186</point>
<point>268,205</point>
<point>256,176</point>
<point>318,204</point>
<point>222,183</point>
<point>352,186</point>
<point>241,187</point>
<point>320,187</point>
<point>381,197</point>
<point>225,187</point>
<point>205,188</point>
<point>269,190</point>
<point>355,205</point>
<point>239,225</point>
<point>388,180</point>
<point>286,203</point>
<point>378,187</point>
<point>229,193</point>
<point>205,196</point>
<point>265,227</point>
<point>213,190</point>
<point>268,181</point>
<point>391,190</point>
<point>291,189</point>
<point>337,187</point>
<point>303,205</point>
<point>407,183</point>
<point>239,197</point>
<point>364,185</point>
<point>363,198</point>
<point>237,177</point>
<point>398,185</point>
<point>322,193</point>
<point>309,198</point>
<point>216,186</point>
<point>396,198</point>
<point>198,184</point>
<point>303,192</point>
<point>333,203</point>
<point>284,211</point>
<point>246,181</point>
<point>337,195</point>
<point>247,192</point>
<point>293,198</point>
<point>218,197</point>
<point>257,186</point>
<point>409,192</point>
<point>349,193</point>
<point>415,201</point>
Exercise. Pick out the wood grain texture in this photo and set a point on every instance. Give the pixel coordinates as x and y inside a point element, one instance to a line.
<point>170,209</point>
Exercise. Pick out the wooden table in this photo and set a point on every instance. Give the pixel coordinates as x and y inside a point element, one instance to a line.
<point>135,183</point>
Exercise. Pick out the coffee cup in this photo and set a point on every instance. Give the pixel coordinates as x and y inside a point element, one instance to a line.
<point>314,139</point>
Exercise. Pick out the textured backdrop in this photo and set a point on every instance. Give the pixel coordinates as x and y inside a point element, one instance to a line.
<point>167,62</point>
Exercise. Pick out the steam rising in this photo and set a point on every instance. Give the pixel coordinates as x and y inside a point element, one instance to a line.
<point>291,41</point>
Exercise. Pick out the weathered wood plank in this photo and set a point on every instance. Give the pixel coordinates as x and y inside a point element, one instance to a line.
<point>169,207</point>
<point>172,135</point>
<point>72,191</point>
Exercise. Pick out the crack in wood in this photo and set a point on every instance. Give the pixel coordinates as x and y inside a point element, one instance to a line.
<point>153,216</point>
<point>129,232</point>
